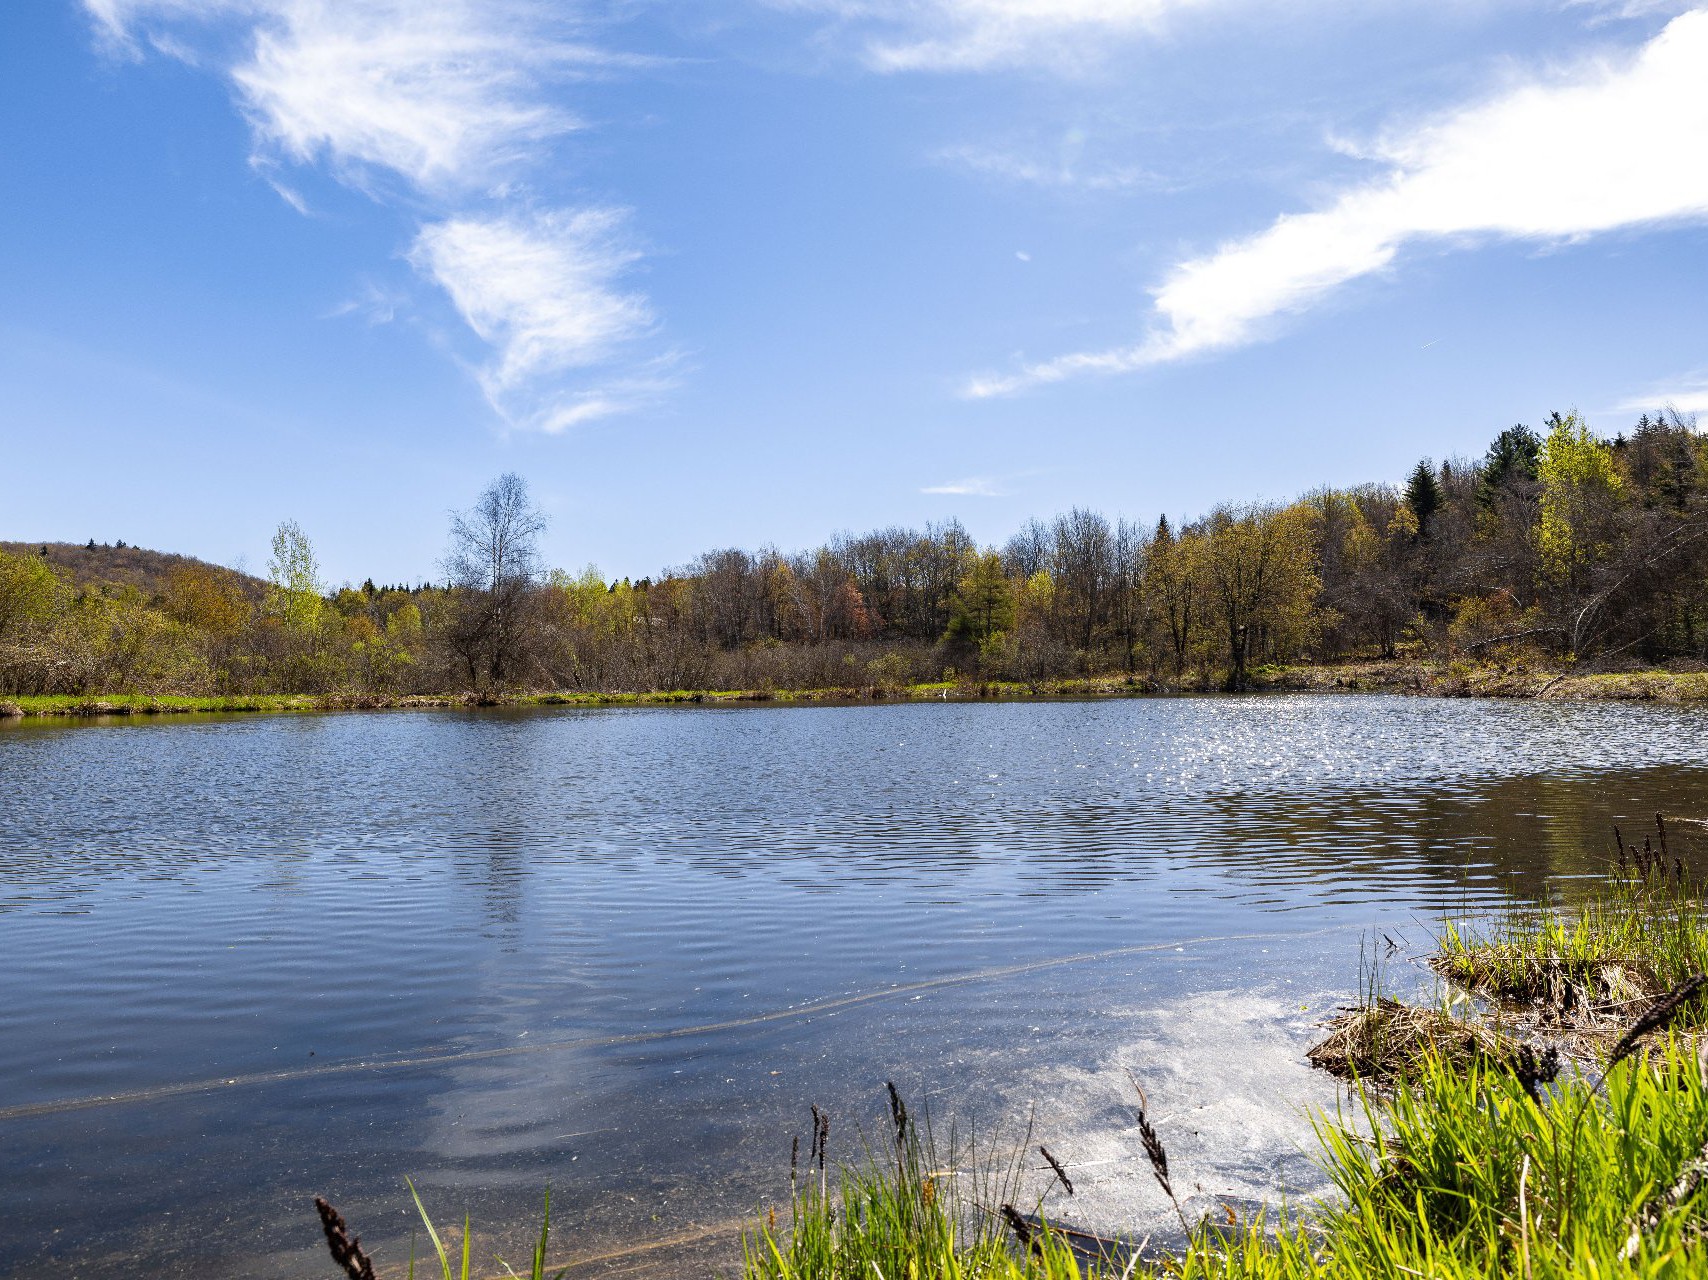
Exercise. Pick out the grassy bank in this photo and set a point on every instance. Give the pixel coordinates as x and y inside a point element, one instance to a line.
<point>1474,680</point>
<point>1475,1173</point>
<point>1402,677</point>
<point>121,704</point>
<point>73,705</point>
<point>1560,1129</point>
<point>1549,1120</point>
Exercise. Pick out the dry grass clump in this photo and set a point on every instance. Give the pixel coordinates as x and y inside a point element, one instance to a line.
<point>1386,1039</point>
<point>1565,989</point>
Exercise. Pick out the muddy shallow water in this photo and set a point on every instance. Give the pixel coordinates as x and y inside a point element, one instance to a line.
<point>619,952</point>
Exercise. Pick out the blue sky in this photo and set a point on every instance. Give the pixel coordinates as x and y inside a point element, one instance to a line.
<point>759,271</point>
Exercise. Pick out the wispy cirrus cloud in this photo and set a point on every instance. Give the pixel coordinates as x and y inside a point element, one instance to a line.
<point>1064,169</point>
<point>453,99</point>
<point>970,35</point>
<point>543,290</point>
<point>1613,143</point>
<point>446,95</point>
<point>1686,395</point>
<point>971,487</point>
<point>372,302</point>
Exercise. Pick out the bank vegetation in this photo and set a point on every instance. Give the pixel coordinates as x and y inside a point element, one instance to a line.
<point>1558,553</point>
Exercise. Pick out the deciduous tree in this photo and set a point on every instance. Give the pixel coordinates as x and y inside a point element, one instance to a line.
<point>494,564</point>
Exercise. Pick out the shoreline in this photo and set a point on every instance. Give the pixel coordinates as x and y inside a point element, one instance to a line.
<point>1416,679</point>
<point>1547,1120</point>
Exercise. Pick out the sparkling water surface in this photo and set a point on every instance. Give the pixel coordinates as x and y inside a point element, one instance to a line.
<point>250,960</point>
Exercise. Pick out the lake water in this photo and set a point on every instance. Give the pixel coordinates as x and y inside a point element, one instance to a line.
<point>247,961</point>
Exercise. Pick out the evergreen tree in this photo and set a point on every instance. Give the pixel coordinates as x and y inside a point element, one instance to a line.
<point>1515,455</point>
<point>1423,495</point>
<point>982,607</point>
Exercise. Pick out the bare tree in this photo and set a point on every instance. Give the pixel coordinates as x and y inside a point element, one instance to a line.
<point>494,565</point>
<point>727,594</point>
<point>1028,551</point>
<point>1082,564</point>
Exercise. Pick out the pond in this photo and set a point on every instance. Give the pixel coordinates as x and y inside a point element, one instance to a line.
<point>620,952</point>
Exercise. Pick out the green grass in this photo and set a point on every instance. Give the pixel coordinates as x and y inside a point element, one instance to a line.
<point>915,1209</point>
<point>461,1267</point>
<point>1467,1162</point>
<point>1471,1175</point>
<point>1589,969</point>
<point>1393,676</point>
<point>149,704</point>
<point>133,704</point>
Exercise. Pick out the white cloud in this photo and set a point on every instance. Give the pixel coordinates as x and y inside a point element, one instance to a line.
<point>453,97</point>
<point>1686,396</point>
<point>1066,169</point>
<point>289,194</point>
<point>1613,10</point>
<point>961,35</point>
<point>971,487</point>
<point>374,303</point>
<point>541,290</point>
<point>445,93</point>
<point>1615,143</point>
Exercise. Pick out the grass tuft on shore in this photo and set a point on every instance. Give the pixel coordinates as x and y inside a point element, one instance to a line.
<point>1585,973</point>
<point>1476,1173</point>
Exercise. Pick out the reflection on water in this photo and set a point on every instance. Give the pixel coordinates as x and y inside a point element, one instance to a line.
<point>619,951</point>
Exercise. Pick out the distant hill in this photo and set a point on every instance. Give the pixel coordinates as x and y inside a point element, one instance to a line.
<point>119,565</point>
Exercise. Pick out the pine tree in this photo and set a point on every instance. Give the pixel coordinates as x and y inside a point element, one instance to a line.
<point>1423,495</point>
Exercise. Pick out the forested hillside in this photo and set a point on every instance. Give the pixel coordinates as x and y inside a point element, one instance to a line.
<point>1555,544</point>
<point>97,565</point>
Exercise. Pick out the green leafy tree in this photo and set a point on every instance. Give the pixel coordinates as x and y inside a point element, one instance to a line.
<point>982,608</point>
<point>31,600</point>
<point>1581,494</point>
<point>30,595</point>
<point>295,574</point>
<point>1175,588</point>
<point>1262,579</point>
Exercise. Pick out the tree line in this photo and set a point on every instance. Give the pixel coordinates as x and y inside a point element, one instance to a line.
<point>1556,543</point>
